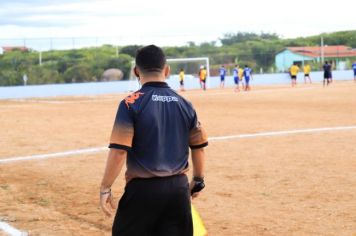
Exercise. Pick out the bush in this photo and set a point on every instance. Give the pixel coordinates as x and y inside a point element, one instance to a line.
<point>43,75</point>
<point>10,78</point>
<point>78,73</point>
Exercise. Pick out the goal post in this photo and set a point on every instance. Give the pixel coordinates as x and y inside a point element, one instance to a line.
<point>191,59</point>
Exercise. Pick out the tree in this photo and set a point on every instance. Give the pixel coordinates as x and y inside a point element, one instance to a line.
<point>78,73</point>
<point>130,50</point>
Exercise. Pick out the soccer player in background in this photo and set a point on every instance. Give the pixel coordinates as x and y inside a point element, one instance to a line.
<point>153,131</point>
<point>202,77</point>
<point>331,71</point>
<point>241,75</point>
<point>247,75</point>
<point>294,69</point>
<point>327,73</point>
<point>307,71</point>
<point>235,73</point>
<point>222,72</point>
<point>181,79</point>
<point>354,68</point>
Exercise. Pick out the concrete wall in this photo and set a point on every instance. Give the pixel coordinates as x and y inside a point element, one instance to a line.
<point>95,88</point>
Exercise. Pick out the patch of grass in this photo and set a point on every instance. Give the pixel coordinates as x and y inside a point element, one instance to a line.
<point>42,183</point>
<point>265,194</point>
<point>43,202</point>
<point>4,186</point>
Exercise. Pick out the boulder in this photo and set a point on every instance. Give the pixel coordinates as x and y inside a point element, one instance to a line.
<point>112,75</point>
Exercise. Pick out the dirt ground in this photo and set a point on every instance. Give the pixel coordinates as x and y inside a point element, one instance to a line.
<point>291,184</point>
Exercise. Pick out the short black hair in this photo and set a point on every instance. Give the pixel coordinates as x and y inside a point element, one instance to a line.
<point>150,59</point>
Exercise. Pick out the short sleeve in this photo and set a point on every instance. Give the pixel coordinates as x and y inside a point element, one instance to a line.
<point>197,137</point>
<point>123,130</point>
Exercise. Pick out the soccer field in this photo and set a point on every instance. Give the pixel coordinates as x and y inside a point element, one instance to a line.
<point>280,161</point>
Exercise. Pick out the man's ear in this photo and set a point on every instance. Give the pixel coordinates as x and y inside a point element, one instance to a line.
<point>136,72</point>
<point>167,70</point>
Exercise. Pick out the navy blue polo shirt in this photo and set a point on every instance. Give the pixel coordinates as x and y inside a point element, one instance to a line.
<point>156,126</point>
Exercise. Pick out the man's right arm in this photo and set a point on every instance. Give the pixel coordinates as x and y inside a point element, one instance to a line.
<point>198,161</point>
<point>115,161</point>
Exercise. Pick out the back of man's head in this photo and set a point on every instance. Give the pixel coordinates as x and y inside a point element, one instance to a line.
<point>150,59</point>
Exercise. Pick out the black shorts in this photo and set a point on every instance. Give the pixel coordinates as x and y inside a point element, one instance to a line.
<point>294,77</point>
<point>327,75</point>
<point>306,75</point>
<point>181,82</point>
<point>155,206</point>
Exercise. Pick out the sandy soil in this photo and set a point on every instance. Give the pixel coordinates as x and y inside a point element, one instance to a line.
<point>296,184</point>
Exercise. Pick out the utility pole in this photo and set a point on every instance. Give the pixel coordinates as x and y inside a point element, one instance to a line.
<point>40,58</point>
<point>322,50</point>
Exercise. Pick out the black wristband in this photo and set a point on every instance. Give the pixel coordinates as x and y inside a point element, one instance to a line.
<point>198,179</point>
<point>104,193</point>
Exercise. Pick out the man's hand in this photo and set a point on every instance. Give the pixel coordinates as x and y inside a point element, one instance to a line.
<point>191,186</point>
<point>107,203</point>
<point>114,163</point>
<point>198,161</point>
<point>196,185</point>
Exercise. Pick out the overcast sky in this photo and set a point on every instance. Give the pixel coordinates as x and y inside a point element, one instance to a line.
<point>167,22</point>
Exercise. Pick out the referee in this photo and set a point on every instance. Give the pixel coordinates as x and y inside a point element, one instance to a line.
<point>153,130</point>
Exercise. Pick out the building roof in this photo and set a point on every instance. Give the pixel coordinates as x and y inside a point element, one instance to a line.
<point>9,49</point>
<point>334,51</point>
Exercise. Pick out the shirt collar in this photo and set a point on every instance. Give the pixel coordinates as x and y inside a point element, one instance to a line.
<point>156,84</point>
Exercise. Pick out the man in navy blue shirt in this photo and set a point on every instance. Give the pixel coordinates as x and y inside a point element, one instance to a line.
<point>153,131</point>
<point>354,69</point>
<point>327,73</point>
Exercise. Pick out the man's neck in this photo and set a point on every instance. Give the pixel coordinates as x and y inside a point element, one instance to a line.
<point>152,79</point>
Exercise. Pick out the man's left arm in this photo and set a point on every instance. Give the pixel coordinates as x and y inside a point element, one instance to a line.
<point>114,164</point>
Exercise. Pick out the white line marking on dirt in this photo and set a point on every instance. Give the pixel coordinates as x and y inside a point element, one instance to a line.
<point>55,155</point>
<point>66,101</point>
<point>11,230</point>
<point>275,133</point>
<point>239,136</point>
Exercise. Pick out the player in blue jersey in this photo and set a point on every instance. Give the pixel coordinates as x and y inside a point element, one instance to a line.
<point>247,75</point>
<point>235,73</point>
<point>153,131</point>
<point>354,69</point>
<point>222,72</point>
